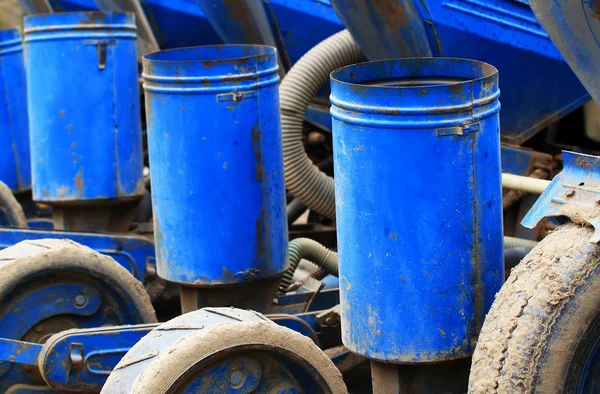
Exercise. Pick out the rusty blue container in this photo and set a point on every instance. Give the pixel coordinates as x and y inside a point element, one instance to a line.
<point>14,129</point>
<point>84,106</point>
<point>419,205</point>
<point>216,156</point>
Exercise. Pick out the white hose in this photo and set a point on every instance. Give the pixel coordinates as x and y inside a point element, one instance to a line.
<point>303,179</point>
<point>524,183</point>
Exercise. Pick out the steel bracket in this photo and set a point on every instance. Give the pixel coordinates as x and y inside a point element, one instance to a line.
<point>574,193</point>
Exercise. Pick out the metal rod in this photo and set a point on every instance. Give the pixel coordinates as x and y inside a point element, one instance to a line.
<point>189,299</point>
<point>524,183</point>
<point>19,352</point>
<point>385,378</point>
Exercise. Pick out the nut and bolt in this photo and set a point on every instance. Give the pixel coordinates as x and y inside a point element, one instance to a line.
<point>236,379</point>
<point>80,300</point>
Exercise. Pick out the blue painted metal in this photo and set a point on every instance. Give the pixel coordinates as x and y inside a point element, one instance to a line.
<point>25,312</point>
<point>214,138</point>
<point>81,360</point>
<point>516,161</point>
<point>135,253</point>
<point>238,21</point>
<point>538,87</point>
<point>396,26</point>
<point>246,22</point>
<point>182,23</point>
<point>504,33</point>
<point>319,115</point>
<point>50,304</point>
<point>84,108</point>
<point>15,169</point>
<point>575,30</point>
<point>418,205</point>
<point>573,193</point>
<point>19,352</point>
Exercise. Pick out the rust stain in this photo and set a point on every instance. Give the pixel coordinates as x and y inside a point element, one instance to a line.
<point>92,18</point>
<point>583,162</point>
<point>457,88</point>
<point>257,151</point>
<point>359,148</point>
<point>61,191</point>
<point>208,63</point>
<point>393,13</point>
<point>79,180</point>
<point>62,113</point>
<point>205,82</point>
<point>260,242</point>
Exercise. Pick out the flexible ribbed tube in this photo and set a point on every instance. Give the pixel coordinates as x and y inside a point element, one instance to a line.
<point>512,242</point>
<point>311,250</point>
<point>304,179</point>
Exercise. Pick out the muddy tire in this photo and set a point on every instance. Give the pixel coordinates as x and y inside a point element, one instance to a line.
<point>540,333</point>
<point>60,285</point>
<point>11,208</point>
<point>201,351</point>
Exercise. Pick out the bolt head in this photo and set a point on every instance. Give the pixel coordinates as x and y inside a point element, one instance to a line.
<point>80,300</point>
<point>236,378</point>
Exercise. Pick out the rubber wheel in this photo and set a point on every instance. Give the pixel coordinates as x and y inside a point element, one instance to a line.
<point>11,208</point>
<point>182,355</point>
<point>542,332</point>
<point>32,267</point>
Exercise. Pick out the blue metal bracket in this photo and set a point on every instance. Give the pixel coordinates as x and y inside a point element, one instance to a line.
<point>135,253</point>
<point>574,193</point>
<point>82,359</point>
<point>19,352</point>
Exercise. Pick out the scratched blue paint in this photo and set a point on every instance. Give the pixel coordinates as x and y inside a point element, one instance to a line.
<point>572,193</point>
<point>575,29</point>
<point>14,129</point>
<point>238,21</point>
<point>84,106</point>
<point>134,253</point>
<point>52,299</point>
<point>101,348</point>
<point>214,139</point>
<point>516,161</point>
<point>418,205</point>
<point>504,33</point>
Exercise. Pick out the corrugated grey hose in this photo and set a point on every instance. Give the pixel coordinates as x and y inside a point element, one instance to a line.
<point>311,250</point>
<point>304,179</point>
